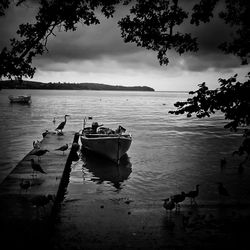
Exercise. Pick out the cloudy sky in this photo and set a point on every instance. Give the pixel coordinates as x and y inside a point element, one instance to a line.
<point>98,54</point>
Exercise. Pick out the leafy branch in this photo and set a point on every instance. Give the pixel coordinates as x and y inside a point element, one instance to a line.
<point>232,99</point>
<point>16,62</point>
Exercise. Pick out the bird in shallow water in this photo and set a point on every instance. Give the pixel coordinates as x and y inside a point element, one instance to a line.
<point>63,148</point>
<point>62,124</point>
<point>54,120</point>
<point>222,190</point>
<point>178,198</point>
<point>193,194</point>
<point>39,153</point>
<point>36,167</point>
<point>25,185</point>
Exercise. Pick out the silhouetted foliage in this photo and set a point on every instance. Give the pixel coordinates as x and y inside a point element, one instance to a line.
<point>65,14</point>
<point>152,27</point>
<point>4,4</point>
<point>153,24</point>
<point>232,99</point>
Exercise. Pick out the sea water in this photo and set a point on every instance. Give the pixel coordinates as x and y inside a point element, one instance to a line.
<point>168,154</point>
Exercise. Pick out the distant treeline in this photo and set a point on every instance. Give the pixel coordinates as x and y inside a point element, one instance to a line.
<point>15,84</point>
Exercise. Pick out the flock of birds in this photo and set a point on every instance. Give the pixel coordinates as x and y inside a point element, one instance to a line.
<point>42,200</point>
<point>39,152</point>
<point>173,202</point>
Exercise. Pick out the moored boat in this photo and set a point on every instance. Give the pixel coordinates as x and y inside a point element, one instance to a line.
<point>25,99</point>
<point>112,144</point>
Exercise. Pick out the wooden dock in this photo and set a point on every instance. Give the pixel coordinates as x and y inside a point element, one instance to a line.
<point>25,225</point>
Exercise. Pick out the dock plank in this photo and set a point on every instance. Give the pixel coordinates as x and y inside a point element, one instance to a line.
<point>18,216</point>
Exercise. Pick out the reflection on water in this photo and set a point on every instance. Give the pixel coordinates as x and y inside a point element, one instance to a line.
<point>104,170</point>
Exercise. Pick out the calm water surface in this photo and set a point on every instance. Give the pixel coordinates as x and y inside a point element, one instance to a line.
<point>168,154</point>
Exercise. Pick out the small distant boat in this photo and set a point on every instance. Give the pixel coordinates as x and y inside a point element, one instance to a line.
<point>112,144</point>
<point>25,99</point>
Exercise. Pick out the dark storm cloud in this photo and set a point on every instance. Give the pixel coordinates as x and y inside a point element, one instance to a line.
<point>104,41</point>
<point>93,43</point>
<point>218,62</point>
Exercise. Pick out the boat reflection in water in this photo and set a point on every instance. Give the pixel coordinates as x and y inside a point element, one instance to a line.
<point>105,170</point>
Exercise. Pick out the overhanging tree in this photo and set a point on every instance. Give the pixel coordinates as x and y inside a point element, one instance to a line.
<point>152,24</point>
<point>16,62</point>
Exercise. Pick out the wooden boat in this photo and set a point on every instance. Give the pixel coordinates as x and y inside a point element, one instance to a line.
<point>106,142</point>
<point>25,99</point>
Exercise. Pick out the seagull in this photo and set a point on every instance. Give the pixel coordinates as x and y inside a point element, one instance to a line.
<point>178,198</point>
<point>193,194</point>
<point>25,184</point>
<point>36,167</point>
<point>39,153</point>
<point>63,148</point>
<point>169,204</point>
<point>222,190</point>
<point>62,124</point>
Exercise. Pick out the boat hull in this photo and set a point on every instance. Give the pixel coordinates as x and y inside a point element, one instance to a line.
<point>112,147</point>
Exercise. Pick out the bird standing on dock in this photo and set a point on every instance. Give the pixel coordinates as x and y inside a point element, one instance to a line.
<point>193,194</point>
<point>36,167</point>
<point>63,148</point>
<point>39,153</point>
<point>177,199</point>
<point>62,124</point>
<point>222,190</point>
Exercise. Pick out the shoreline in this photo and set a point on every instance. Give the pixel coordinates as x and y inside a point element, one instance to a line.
<point>105,224</point>
<point>24,84</point>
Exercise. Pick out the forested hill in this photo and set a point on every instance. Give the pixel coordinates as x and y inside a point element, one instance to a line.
<point>14,84</point>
